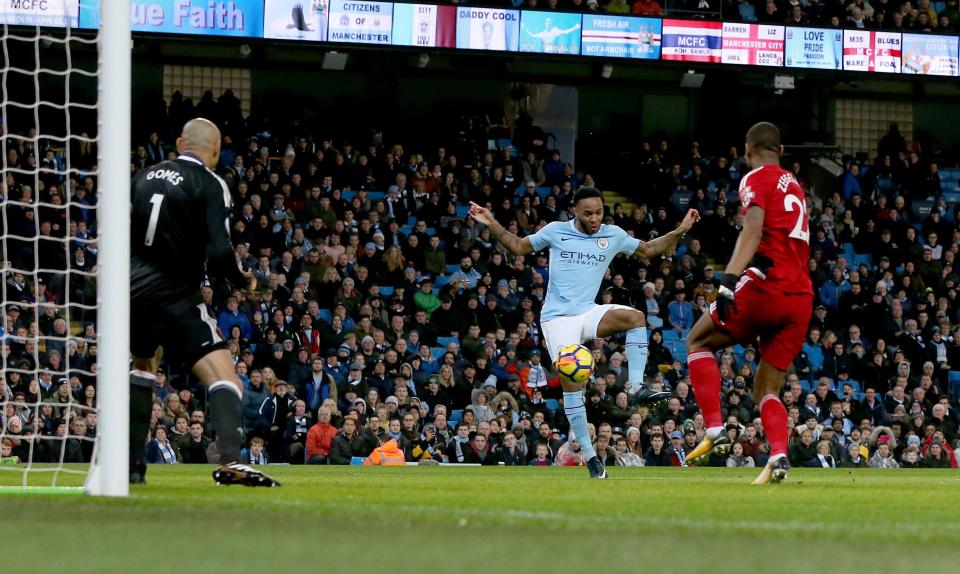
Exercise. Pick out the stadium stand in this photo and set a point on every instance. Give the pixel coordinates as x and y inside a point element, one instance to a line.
<point>381,299</point>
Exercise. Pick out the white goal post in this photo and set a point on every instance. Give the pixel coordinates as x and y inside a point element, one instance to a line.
<point>47,289</point>
<point>110,473</point>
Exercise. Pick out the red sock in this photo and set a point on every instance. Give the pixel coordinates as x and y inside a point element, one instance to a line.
<point>774,417</point>
<point>705,378</point>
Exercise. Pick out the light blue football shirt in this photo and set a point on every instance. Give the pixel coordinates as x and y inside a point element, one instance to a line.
<point>577,264</point>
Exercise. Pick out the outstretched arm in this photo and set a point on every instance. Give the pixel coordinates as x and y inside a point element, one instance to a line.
<point>667,243</point>
<point>511,242</point>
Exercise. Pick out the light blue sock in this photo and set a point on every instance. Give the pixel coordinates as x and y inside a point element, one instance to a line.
<point>577,416</point>
<point>636,350</point>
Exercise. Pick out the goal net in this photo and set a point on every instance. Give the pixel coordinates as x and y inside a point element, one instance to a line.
<point>64,248</point>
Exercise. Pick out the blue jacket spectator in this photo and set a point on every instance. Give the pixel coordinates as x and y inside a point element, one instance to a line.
<point>851,182</point>
<point>833,290</point>
<point>232,316</point>
<point>680,313</point>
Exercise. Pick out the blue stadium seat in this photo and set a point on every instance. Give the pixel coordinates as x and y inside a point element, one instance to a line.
<point>375,195</point>
<point>748,13</point>
<point>938,6</point>
<point>441,280</point>
<point>412,220</point>
<point>670,335</point>
<point>552,405</point>
<point>858,395</point>
<point>455,417</point>
<point>951,197</point>
<point>954,382</point>
<point>386,290</point>
<point>543,192</point>
<point>325,315</point>
<point>866,259</point>
<point>406,229</point>
<point>348,195</point>
<point>452,268</point>
<point>884,184</point>
<point>444,341</point>
<point>463,210</point>
<point>679,351</point>
<point>431,231</point>
<point>504,142</point>
<point>437,352</point>
<point>806,385</point>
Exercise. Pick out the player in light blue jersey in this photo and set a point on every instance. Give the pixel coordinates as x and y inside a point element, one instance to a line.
<point>580,252</point>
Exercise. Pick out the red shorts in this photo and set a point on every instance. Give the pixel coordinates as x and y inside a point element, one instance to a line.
<point>764,311</point>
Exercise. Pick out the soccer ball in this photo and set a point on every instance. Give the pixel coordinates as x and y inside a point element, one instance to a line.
<point>575,363</point>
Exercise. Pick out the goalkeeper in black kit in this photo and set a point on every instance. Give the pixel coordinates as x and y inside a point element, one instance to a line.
<point>179,231</point>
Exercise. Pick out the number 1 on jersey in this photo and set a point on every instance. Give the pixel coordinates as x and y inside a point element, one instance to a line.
<point>789,201</point>
<point>156,200</point>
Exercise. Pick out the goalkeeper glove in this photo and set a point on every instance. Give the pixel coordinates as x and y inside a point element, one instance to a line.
<point>726,305</point>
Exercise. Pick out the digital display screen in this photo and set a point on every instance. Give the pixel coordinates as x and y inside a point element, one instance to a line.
<point>51,13</point>
<point>689,41</point>
<point>424,25</point>
<point>868,51</point>
<point>752,44</point>
<point>488,29</point>
<point>242,18</point>
<point>360,22</point>
<point>621,37</point>
<point>814,48</point>
<point>550,33</point>
<point>296,19</point>
<point>930,55</point>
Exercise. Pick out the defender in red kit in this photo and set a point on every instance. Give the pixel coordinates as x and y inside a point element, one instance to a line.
<point>766,294</point>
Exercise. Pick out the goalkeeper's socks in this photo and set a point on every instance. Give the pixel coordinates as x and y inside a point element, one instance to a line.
<point>141,404</point>
<point>577,416</point>
<point>637,353</point>
<point>705,378</point>
<point>774,417</point>
<point>227,418</point>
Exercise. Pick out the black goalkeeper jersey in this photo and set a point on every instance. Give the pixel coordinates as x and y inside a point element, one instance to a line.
<point>179,221</point>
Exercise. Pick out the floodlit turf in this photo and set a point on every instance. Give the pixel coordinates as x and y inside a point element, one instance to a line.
<point>438,520</point>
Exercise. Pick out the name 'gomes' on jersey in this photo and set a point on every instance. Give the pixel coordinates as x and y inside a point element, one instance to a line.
<point>578,262</point>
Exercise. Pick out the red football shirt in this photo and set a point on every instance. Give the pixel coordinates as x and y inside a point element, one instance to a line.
<point>786,227</point>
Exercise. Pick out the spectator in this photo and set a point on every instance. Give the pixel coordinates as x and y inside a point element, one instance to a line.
<point>348,443</point>
<point>194,448</point>
<point>656,454</point>
<point>161,451</point>
<point>680,312</point>
<point>320,438</point>
<point>737,457</point>
<point>883,457</point>
<point>478,452</point>
<point>541,456</point>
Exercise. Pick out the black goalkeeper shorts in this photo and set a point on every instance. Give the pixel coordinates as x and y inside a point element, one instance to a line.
<point>175,320</point>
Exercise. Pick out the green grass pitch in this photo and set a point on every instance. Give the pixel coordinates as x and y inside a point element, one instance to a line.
<point>445,519</point>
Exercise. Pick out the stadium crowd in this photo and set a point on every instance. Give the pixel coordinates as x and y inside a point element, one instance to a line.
<point>388,325</point>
